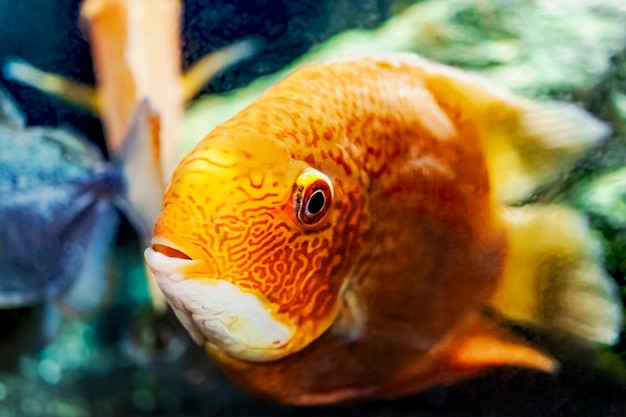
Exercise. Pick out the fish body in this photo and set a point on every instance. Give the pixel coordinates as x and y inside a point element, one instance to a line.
<point>347,234</point>
<point>57,212</point>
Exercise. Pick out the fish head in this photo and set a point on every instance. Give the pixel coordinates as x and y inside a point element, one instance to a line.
<point>253,246</point>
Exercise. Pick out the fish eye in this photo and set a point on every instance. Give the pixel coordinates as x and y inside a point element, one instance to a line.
<point>310,199</point>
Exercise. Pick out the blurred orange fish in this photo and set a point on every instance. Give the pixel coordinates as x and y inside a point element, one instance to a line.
<point>347,235</point>
<point>141,91</point>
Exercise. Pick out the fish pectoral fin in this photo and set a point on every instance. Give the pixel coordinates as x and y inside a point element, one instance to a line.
<point>483,343</point>
<point>74,92</point>
<point>553,278</point>
<point>92,287</point>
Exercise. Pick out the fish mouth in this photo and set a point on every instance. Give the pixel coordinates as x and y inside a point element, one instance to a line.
<point>170,251</point>
<point>168,248</point>
<point>167,258</point>
<point>214,311</point>
<point>168,261</point>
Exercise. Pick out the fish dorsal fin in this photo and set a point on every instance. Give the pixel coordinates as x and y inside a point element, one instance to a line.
<point>553,278</point>
<point>543,141</point>
<point>481,342</point>
<point>526,143</point>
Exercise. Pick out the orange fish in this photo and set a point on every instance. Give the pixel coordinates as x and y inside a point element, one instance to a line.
<point>347,235</point>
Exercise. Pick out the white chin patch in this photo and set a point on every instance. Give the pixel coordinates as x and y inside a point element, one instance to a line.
<point>218,312</point>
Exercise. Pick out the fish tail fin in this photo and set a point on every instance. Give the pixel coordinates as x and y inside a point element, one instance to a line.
<point>553,278</point>
<point>69,90</point>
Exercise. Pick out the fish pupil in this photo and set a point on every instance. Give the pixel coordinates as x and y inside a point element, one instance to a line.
<point>316,202</point>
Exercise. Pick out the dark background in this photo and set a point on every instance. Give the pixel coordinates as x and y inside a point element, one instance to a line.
<point>46,34</point>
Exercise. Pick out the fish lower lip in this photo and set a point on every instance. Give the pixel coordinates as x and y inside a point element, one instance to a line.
<point>166,260</point>
<point>167,267</point>
<point>164,257</point>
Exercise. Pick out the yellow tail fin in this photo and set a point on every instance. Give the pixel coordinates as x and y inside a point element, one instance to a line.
<point>553,278</point>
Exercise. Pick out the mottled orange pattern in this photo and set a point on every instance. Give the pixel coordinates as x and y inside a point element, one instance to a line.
<point>395,276</point>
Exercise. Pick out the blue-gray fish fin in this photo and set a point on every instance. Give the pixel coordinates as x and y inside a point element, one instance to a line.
<point>51,321</point>
<point>93,284</point>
